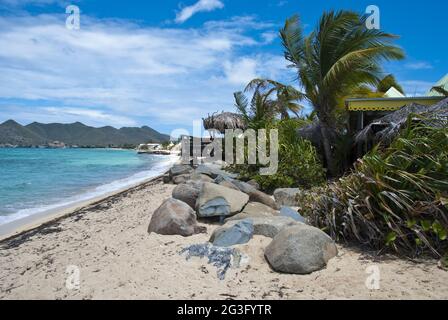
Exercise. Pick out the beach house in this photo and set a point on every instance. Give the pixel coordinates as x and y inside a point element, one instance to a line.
<point>363,111</point>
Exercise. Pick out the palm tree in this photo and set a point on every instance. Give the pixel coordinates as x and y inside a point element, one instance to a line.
<point>364,91</point>
<point>340,55</point>
<point>388,82</point>
<point>259,112</point>
<point>287,96</point>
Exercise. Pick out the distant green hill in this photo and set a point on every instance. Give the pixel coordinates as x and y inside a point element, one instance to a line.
<point>77,133</point>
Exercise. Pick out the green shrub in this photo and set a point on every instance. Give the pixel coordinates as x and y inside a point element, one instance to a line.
<point>299,164</point>
<point>396,198</point>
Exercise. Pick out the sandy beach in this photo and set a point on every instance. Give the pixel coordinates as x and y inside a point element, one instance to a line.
<point>109,244</point>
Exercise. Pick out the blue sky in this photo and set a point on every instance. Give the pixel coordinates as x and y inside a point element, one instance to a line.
<point>167,63</point>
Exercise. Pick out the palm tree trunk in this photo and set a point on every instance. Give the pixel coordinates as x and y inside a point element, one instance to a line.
<point>326,142</point>
<point>284,114</point>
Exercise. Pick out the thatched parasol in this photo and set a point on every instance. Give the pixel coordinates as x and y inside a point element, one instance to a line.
<point>311,132</point>
<point>387,128</point>
<point>223,121</point>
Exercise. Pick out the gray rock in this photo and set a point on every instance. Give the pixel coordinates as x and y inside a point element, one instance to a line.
<point>286,196</point>
<point>256,195</point>
<point>200,177</point>
<point>300,249</point>
<point>233,234</point>
<point>215,200</point>
<point>179,169</point>
<point>216,207</point>
<point>254,184</point>
<point>228,184</point>
<point>271,226</point>
<point>220,178</point>
<point>166,178</point>
<point>174,217</point>
<point>265,226</point>
<point>243,186</point>
<point>290,212</point>
<point>213,171</point>
<point>181,178</point>
<point>188,193</point>
<point>254,210</point>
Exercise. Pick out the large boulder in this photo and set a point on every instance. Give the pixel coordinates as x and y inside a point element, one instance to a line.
<point>187,192</point>
<point>182,178</point>
<point>200,177</point>
<point>291,213</point>
<point>180,169</point>
<point>265,226</point>
<point>300,249</point>
<point>174,217</point>
<point>243,186</point>
<point>286,196</point>
<point>215,200</point>
<point>228,184</point>
<point>254,210</point>
<point>220,178</point>
<point>256,195</point>
<point>213,171</point>
<point>233,234</point>
<point>254,184</point>
<point>271,226</point>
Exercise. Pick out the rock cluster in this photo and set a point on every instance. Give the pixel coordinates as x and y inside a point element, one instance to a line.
<point>208,192</point>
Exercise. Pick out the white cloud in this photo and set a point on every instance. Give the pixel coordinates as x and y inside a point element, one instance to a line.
<point>241,72</point>
<point>127,73</point>
<point>244,69</point>
<point>96,116</point>
<point>22,3</point>
<point>420,65</point>
<point>269,36</point>
<point>240,23</point>
<point>200,6</point>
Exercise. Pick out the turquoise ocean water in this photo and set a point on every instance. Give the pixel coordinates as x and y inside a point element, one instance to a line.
<point>37,180</point>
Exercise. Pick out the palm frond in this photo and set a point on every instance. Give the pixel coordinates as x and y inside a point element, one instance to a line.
<point>441,90</point>
<point>292,40</point>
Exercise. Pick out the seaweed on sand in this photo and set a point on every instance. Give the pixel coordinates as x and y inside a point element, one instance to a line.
<point>220,257</point>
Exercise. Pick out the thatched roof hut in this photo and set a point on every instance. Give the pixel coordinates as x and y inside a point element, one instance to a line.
<point>385,129</point>
<point>223,121</point>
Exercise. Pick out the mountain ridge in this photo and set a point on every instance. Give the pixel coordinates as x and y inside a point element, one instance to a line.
<point>77,133</point>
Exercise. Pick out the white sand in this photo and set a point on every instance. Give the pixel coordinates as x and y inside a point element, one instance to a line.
<point>118,259</point>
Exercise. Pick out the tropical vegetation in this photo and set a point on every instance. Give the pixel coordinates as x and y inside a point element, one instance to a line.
<point>298,161</point>
<point>396,196</point>
<point>340,55</point>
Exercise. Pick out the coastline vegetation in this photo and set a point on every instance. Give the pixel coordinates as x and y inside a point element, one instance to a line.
<point>396,197</point>
<point>393,198</point>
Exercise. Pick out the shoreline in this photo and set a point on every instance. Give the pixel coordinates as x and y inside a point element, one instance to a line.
<point>108,241</point>
<point>39,220</point>
<point>33,221</point>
